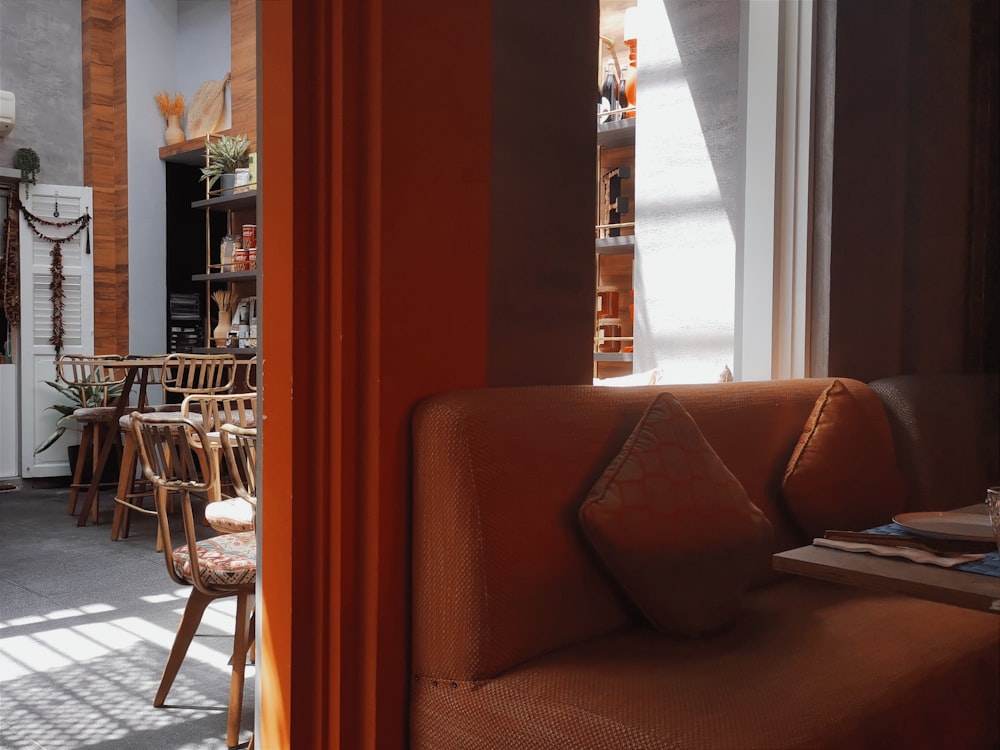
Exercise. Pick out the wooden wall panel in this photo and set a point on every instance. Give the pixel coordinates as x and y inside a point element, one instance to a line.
<point>243,53</point>
<point>105,166</point>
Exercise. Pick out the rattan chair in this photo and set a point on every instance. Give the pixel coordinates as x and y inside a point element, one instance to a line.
<point>182,374</point>
<point>186,374</point>
<point>250,374</point>
<point>239,446</point>
<point>95,379</point>
<point>175,457</point>
<point>227,512</point>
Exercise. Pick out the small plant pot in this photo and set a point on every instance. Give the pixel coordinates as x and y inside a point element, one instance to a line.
<point>227,181</point>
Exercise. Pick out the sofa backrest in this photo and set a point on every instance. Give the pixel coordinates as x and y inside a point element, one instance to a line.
<point>501,572</point>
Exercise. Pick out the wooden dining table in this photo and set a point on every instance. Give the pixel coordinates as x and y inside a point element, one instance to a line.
<point>136,370</point>
<point>895,575</point>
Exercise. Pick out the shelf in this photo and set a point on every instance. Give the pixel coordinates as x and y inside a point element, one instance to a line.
<point>612,356</point>
<point>226,276</point>
<point>616,133</point>
<point>615,245</point>
<point>191,151</point>
<point>232,202</point>
<point>241,352</point>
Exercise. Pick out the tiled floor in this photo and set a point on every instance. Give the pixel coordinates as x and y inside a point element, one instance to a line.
<point>85,627</point>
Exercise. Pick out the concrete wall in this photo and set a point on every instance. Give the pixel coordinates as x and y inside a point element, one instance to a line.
<point>40,62</point>
<point>688,205</point>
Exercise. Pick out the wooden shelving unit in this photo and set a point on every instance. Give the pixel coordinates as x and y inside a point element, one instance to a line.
<point>239,208</point>
<point>614,243</point>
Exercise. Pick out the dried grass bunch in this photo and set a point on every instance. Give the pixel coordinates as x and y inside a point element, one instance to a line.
<point>170,106</point>
<point>226,299</point>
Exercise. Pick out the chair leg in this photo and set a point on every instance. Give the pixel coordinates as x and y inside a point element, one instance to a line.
<point>126,482</point>
<point>241,642</point>
<point>95,444</point>
<point>81,459</point>
<point>193,611</point>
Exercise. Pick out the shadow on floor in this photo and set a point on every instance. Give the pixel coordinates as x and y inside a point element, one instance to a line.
<point>85,627</point>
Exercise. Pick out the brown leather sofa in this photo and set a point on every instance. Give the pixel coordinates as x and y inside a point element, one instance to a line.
<point>521,639</point>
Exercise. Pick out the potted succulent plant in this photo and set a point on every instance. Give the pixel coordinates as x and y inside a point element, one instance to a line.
<point>73,401</point>
<point>226,154</point>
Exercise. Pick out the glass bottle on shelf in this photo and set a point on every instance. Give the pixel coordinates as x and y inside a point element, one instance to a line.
<point>609,94</point>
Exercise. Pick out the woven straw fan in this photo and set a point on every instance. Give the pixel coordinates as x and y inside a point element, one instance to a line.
<point>206,107</point>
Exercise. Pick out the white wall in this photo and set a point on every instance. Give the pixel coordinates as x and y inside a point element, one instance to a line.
<point>723,138</point>
<point>203,47</point>
<point>688,203</point>
<point>172,45</point>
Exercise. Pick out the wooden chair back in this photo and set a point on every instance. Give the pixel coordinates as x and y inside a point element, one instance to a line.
<point>198,373</point>
<point>176,459</point>
<point>250,375</point>
<point>93,377</point>
<point>239,446</point>
<point>216,410</point>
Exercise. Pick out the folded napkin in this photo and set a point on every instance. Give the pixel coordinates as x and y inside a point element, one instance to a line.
<point>916,555</point>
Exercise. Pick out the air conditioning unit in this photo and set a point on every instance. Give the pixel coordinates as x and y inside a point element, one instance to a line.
<point>6,112</point>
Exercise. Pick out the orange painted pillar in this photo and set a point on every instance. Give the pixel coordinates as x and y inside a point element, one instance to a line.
<point>373,296</point>
<point>420,231</point>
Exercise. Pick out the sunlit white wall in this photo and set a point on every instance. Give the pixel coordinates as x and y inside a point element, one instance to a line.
<point>687,188</point>
<point>172,45</point>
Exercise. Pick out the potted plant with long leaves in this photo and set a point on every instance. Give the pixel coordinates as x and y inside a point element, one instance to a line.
<point>225,155</point>
<point>73,399</point>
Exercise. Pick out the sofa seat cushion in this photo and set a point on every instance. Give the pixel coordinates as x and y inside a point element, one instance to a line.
<point>674,526</point>
<point>799,668</point>
<point>843,472</point>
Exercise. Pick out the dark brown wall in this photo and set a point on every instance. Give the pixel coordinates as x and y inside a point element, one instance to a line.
<point>541,267</point>
<point>904,268</point>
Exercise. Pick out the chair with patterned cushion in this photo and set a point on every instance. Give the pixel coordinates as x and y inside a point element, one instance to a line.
<point>182,374</point>
<point>227,511</point>
<point>174,454</point>
<point>132,490</point>
<point>98,383</point>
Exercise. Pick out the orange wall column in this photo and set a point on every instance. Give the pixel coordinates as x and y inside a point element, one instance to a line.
<point>369,303</point>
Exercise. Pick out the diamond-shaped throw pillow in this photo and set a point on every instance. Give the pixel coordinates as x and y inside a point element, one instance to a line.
<point>842,473</point>
<point>673,526</point>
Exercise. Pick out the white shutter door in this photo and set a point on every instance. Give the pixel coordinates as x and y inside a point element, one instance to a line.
<point>37,353</point>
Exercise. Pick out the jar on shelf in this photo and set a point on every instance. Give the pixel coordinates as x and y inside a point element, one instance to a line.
<point>607,302</point>
<point>240,257</point>
<point>249,235</point>
<point>609,331</point>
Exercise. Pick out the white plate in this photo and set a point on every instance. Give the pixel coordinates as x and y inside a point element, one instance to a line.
<point>966,526</point>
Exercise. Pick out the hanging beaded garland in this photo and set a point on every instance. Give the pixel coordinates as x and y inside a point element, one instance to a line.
<point>10,285</point>
<point>56,285</point>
